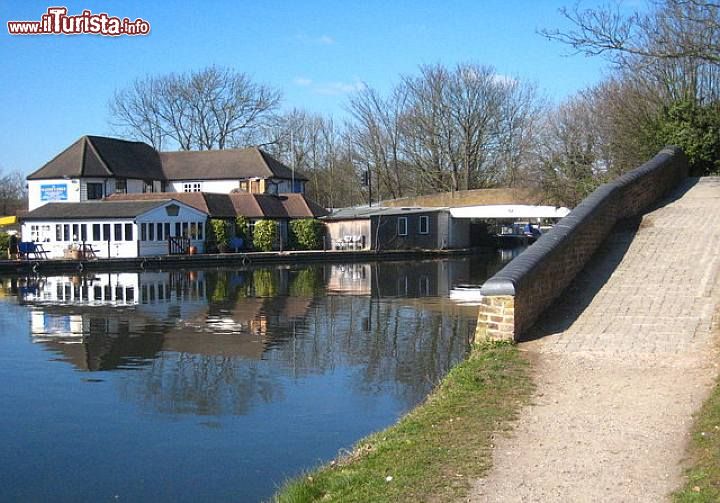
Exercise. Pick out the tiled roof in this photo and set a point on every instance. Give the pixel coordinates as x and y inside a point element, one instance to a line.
<point>103,157</point>
<point>93,209</point>
<point>193,199</point>
<point>99,156</point>
<point>236,204</point>
<point>232,164</point>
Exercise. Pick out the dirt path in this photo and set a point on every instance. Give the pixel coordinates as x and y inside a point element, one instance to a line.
<point>622,364</point>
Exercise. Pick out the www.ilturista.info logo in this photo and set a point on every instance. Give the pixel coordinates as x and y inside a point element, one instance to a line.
<point>57,22</point>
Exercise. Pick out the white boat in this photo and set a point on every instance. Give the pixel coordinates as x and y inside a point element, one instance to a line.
<point>467,294</point>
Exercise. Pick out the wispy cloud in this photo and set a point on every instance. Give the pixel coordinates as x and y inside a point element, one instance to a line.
<point>302,81</point>
<point>323,39</point>
<point>338,87</point>
<point>329,88</point>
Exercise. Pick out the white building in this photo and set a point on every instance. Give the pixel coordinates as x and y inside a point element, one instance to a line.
<point>94,167</point>
<point>115,228</point>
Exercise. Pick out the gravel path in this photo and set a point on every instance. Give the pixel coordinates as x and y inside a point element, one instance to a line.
<point>622,363</point>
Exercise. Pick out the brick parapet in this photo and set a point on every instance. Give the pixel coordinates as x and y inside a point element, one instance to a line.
<point>532,281</point>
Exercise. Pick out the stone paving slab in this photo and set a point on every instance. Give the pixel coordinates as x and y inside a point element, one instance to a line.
<point>623,360</point>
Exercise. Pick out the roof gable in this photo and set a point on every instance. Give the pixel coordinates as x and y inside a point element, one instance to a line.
<point>128,159</point>
<point>71,163</point>
<point>97,156</point>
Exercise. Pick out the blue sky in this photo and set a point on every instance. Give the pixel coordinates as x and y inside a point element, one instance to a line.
<point>55,89</point>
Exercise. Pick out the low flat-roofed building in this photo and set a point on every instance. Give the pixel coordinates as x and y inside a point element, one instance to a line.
<point>384,228</point>
<point>107,229</point>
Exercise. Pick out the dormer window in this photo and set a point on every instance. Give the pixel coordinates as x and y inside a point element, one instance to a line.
<point>192,187</point>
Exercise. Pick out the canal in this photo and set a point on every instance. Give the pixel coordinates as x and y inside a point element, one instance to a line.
<point>215,384</point>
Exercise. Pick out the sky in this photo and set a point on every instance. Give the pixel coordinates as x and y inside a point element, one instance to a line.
<point>56,88</point>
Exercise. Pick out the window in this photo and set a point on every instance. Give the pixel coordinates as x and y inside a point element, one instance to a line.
<point>96,232</point>
<point>424,225</point>
<point>148,186</point>
<point>128,232</point>
<point>159,232</point>
<point>193,230</point>
<point>151,232</point>
<point>200,231</point>
<point>143,232</point>
<point>118,232</point>
<point>121,186</point>
<point>95,191</point>
<point>66,232</point>
<point>75,232</point>
<point>402,226</point>
<point>58,233</point>
<point>83,232</point>
<point>192,187</point>
<point>177,229</point>
<point>185,229</point>
<point>45,233</point>
<point>167,230</point>
<point>106,232</point>
<point>34,233</point>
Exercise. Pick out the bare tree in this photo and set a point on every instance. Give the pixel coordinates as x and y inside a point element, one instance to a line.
<point>213,108</point>
<point>136,109</point>
<point>321,150</point>
<point>463,126</point>
<point>571,163</point>
<point>666,81</point>
<point>673,29</point>
<point>13,193</point>
<point>377,137</point>
<point>520,124</point>
<point>675,45</point>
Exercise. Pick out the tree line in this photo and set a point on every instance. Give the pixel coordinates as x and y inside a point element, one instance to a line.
<point>466,127</point>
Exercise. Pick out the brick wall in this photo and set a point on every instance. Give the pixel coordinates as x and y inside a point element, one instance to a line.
<point>515,297</point>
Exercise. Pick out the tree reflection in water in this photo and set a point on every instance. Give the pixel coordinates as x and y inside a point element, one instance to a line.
<point>219,342</point>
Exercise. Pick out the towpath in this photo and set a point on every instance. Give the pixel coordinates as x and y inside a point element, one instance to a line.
<point>622,362</point>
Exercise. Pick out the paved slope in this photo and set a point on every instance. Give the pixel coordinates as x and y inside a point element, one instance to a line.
<point>623,361</point>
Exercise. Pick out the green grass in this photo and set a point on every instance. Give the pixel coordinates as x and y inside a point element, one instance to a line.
<point>703,477</point>
<point>435,451</point>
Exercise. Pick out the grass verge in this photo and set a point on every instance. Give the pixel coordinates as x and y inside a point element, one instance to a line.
<point>703,477</point>
<point>434,452</point>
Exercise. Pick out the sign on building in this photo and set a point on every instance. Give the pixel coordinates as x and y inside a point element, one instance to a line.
<point>53,192</point>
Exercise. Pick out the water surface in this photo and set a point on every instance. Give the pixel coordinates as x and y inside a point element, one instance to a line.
<point>214,385</point>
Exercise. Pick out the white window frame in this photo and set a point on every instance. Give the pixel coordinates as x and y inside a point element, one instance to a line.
<point>192,187</point>
<point>35,233</point>
<point>426,219</point>
<point>402,230</point>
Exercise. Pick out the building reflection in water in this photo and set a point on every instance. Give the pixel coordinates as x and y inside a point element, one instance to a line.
<point>217,342</point>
